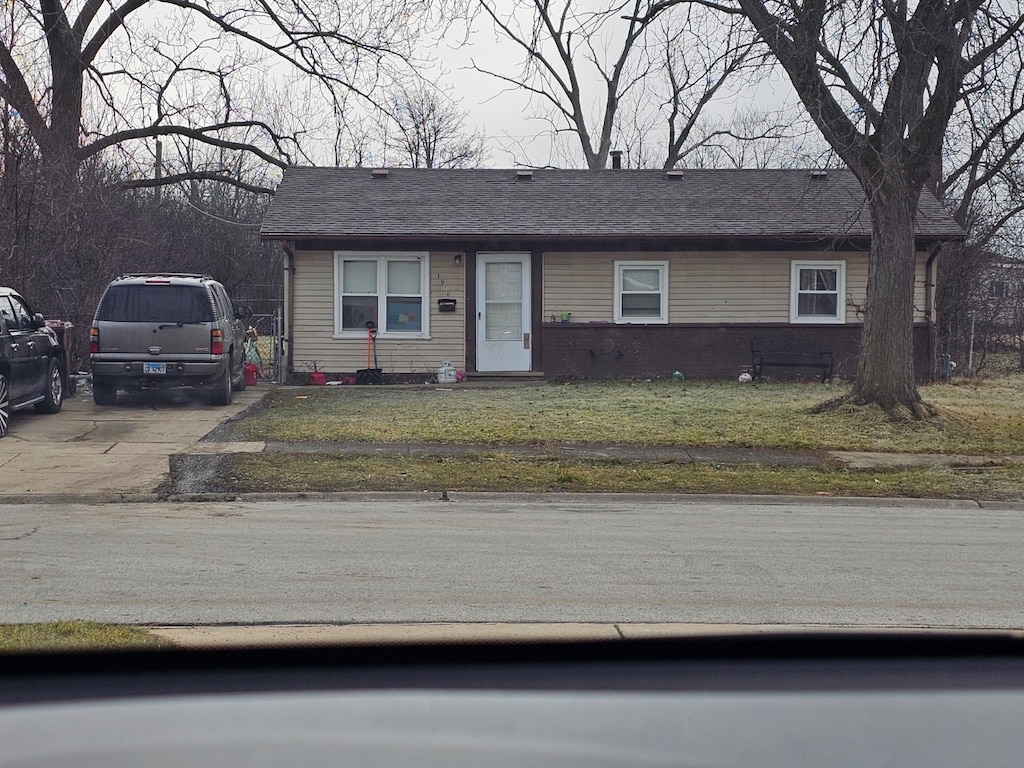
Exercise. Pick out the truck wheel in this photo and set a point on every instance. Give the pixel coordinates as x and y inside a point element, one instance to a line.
<point>53,397</point>
<point>104,392</point>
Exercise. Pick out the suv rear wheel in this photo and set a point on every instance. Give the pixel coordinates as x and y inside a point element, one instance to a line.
<point>104,392</point>
<point>221,393</point>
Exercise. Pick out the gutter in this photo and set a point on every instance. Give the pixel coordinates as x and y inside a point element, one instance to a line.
<point>289,303</point>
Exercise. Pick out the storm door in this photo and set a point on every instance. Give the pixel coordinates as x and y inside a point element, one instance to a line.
<point>503,312</point>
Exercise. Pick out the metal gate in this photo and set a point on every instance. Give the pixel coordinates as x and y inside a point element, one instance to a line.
<point>268,342</point>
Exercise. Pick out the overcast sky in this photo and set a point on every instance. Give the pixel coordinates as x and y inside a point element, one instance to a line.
<point>503,113</point>
<point>496,109</point>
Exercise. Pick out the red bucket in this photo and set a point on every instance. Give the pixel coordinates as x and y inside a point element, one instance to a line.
<point>252,374</point>
<point>318,378</point>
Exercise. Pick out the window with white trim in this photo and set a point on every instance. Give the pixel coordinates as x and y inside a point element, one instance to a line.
<point>389,289</point>
<point>641,292</point>
<point>818,292</point>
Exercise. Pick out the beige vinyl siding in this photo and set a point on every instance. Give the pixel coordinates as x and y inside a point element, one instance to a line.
<point>729,287</point>
<point>704,287</point>
<point>580,283</point>
<point>313,311</point>
<point>920,288</point>
<point>447,329</point>
<point>314,319</point>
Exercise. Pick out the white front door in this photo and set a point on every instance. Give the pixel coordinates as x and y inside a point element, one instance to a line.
<point>503,340</point>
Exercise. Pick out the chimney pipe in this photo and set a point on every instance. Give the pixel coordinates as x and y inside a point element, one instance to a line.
<point>616,155</point>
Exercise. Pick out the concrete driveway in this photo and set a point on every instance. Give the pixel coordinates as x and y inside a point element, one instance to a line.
<point>111,452</point>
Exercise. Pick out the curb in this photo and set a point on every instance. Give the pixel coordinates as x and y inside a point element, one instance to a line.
<point>454,497</point>
<point>81,498</point>
<point>269,635</point>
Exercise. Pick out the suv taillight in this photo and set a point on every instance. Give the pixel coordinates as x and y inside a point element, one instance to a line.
<point>94,341</point>
<point>216,342</point>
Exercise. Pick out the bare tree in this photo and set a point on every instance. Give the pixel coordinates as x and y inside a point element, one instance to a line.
<point>88,76</point>
<point>102,98</point>
<point>428,130</point>
<point>624,47</point>
<point>700,59</point>
<point>62,265</point>
<point>881,81</point>
<point>983,183</point>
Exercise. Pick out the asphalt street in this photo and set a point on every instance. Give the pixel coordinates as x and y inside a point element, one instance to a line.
<point>488,558</point>
<point>595,565</point>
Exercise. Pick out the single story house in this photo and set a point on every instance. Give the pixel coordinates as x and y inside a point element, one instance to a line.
<point>580,274</point>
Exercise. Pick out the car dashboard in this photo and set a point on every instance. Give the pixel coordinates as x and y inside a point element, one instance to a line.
<point>844,699</point>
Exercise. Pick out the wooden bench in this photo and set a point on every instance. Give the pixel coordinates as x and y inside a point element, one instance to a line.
<point>788,352</point>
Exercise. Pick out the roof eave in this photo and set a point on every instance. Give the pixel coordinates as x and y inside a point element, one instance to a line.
<point>581,241</point>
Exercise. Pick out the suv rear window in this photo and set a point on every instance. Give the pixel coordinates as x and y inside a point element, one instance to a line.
<point>155,304</point>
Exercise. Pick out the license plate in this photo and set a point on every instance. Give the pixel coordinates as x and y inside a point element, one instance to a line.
<point>149,368</point>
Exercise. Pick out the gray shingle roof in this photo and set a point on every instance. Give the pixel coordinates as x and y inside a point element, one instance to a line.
<point>485,203</point>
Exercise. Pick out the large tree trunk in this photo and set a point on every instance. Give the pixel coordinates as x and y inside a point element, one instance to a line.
<point>885,369</point>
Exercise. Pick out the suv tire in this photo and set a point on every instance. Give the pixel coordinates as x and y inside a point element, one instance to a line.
<point>104,392</point>
<point>239,384</point>
<point>221,393</point>
<point>53,397</point>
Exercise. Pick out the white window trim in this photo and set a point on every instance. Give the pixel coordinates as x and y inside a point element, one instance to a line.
<point>382,257</point>
<point>662,267</point>
<point>794,293</point>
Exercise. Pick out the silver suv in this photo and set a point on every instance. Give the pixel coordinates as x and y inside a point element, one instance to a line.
<point>159,331</point>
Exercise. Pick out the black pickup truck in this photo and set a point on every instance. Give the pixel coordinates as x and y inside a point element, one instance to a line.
<point>33,369</point>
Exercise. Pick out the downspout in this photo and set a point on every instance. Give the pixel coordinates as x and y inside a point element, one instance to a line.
<point>289,302</point>
<point>930,278</point>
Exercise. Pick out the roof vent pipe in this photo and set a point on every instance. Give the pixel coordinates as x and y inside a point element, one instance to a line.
<point>616,155</point>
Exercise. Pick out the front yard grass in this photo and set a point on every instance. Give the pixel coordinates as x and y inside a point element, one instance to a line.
<point>986,417</point>
<point>76,636</point>
<point>983,417</point>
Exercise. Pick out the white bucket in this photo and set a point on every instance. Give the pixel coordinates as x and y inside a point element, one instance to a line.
<point>446,373</point>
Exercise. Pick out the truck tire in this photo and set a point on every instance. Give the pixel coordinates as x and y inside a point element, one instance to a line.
<point>53,397</point>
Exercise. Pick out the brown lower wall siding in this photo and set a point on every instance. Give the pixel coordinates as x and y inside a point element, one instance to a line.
<point>610,351</point>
